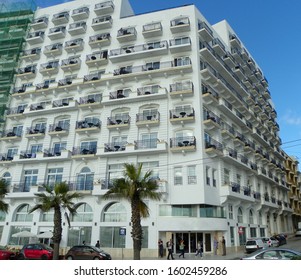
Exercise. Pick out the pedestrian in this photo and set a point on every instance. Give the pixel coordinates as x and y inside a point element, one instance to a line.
<point>215,245</point>
<point>160,246</point>
<point>224,246</point>
<point>182,249</point>
<point>97,244</point>
<point>169,246</point>
<point>199,250</point>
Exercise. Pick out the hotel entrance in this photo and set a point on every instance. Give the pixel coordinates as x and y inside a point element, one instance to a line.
<point>191,240</point>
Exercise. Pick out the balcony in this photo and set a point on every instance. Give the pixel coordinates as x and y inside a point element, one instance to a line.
<point>120,94</point>
<point>80,14</point>
<point>53,50</point>
<point>103,22</point>
<point>106,7</point>
<point>27,72</point>
<point>58,130</point>
<point>181,89</point>
<point>57,33</point>
<point>74,46</point>
<point>205,31</point>
<point>97,59</point>
<point>126,34</point>
<point>180,25</point>
<point>91,78</point>
<point>180,45</point>
<point>115,147</point>
<point>183,144</point>
<point>152,92</point>
<point>11,135</point>
<point>213,148</point>
<point>15,112</point>
<point>155,69</point>
<point>71,64</point>
<point>39,23</point>
<point>35,132</point>
<point>90,101</point>
<point>139,51</point>
<point>35,38</point>
<point>210,96</point>
<point>83,152</point>
<point>67,103</point>
<point>49,68</point>
<point>182,116</point>
<point>234,191</point>
<point>147,120</point>
<point>31,55</point>
<point>5,158</point>
<point>152,30</point>
<point>59,153</point>
<point>210,120</point>
<point>119,122</point>
<point>60,18</point>
<point>218,47</point>
<point>87,127</point>
<point>77,28</point>
<point>29,154</point>
<point>234,41</point>
<point>100,40</point>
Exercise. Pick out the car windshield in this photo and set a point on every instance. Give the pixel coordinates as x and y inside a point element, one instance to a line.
<point>46,247</point>
<point>251,242</point>
<point>97,249</point>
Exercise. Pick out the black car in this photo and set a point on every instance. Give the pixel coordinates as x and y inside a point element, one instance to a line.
<point>281,239</point>
<point>87,252</point>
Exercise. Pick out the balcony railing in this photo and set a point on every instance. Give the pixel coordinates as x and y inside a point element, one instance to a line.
<point>11,133</point>
<point>34,130</point>
<point>58,127</point>
<point>27,70</point>
<point>16,110</point>
<point>29,154</point>
<point>34,51</point>
<point>146,144</point>
<point>53,152</point>
<point>84,124</point>
<point>119,120</point>
<point>84,151</point>
<point>148,90</point>
<point>91,99</point>
<point>122,93</point>
<point>115,147</point>
<point>142,117</point>
<point>184,141</point>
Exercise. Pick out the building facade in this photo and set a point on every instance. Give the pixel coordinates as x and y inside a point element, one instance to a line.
<point>99,86</point>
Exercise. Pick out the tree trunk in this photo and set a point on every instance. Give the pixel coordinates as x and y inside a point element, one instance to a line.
<point>57,232</point>
<point>136,228</point>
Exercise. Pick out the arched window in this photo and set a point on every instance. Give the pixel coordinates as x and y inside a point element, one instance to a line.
<point>251,217</point>
<point>84,214</point>
<point>2,216</point>
<point>7,178</point>
<point>85,180</point>
<point>239,215</point>
<point>260,218</point>
<point>115,212</point>
<point>22,214</point>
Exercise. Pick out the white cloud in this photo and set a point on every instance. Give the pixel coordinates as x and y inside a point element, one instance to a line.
<point>292,118</point>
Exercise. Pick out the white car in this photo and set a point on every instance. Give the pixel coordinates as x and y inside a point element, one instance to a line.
<point>254,244</point>
<point>270,241</point>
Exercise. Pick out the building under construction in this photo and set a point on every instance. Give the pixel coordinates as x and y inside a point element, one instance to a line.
<point>15,16</point>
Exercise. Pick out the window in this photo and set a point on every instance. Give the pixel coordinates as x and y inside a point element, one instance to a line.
<point>238,179</point>
<point>226,176</point>
<point>84,214</point>
<point>17,130</point>
<point>64,124</point>
<point>239,215</point>
<point>85,179</point>
<point>48,216</point>
<point>22,214</point>
<point>191,171</point>
<point>30,179</point>
<point>76,235</point>
<point>149,140</point>
<point>115,212</point>
<point>253,232</point>
<point>36,148</point>
<point>152,65</point>
<point>149,114</point>
<point>58,147</point>
<point>7,178</point>
<point>11,152</point>
<point>55,175</point>
<point>251,217</point>
<point>230,211</point>
<point>207,175</point>
<point>214,177</point>
<point>153,166</point>
<point>178,176</point>
<point>90,146</point>
<point>260,218</point>
<point>182,61</point>
<point>40,127</point>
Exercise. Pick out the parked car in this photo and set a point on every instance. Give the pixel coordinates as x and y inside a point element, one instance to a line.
<point>87,252</point>
<point>281,239</point>
<point>254,244</point>
<point>6,254</point>
<point>273,254</point>
<point>270,241</point>
<point>36,251</point>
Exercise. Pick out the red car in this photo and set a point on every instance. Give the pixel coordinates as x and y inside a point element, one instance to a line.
<point>6,254</point>
<point>36,251</point>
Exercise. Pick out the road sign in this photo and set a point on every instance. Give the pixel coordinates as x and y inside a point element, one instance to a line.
<point>122,231</point>
<point>240,230</point>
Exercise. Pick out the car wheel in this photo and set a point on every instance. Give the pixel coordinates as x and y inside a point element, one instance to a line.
<point>44,257</point>
<point>21,257</point>
<point>69,258</point>
<point>96,258</point>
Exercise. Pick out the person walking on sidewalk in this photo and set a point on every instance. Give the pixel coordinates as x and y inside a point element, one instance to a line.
<point>169,246</point>
<point>160,246</point>
<point>182,249</point>
<point>224,246</point>
<point>199,250</point>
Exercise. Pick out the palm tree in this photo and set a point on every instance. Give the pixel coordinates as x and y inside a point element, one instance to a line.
<point>3,193</point>
<point>58,198</point>
<point>135,187</point>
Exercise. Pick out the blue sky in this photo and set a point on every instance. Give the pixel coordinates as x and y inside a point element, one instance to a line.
<point>270,30</point>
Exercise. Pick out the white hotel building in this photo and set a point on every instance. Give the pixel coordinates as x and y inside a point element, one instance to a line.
<point>98,86</point>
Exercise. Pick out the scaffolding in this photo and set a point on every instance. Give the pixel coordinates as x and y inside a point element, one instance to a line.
<point>15,17</point>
